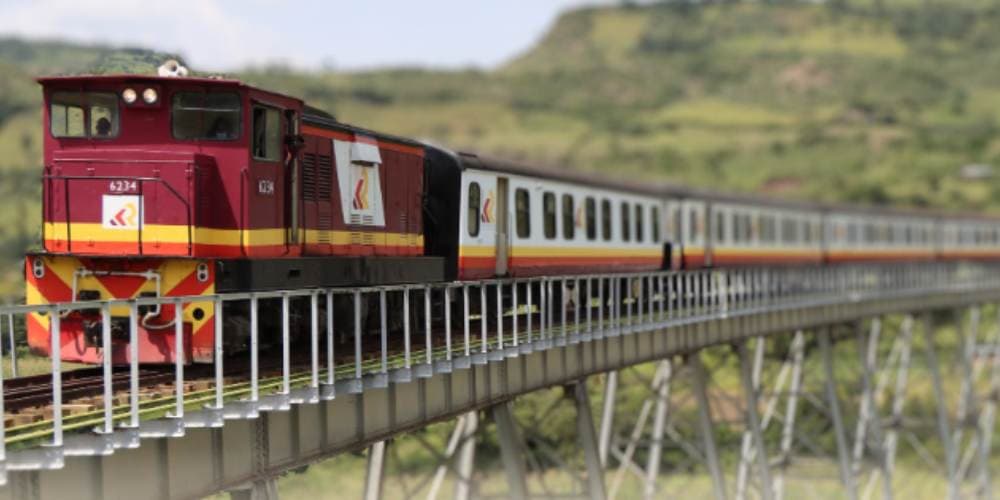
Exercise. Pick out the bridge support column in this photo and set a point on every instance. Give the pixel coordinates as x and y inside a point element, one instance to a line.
<point>375,472</point>
<point>462,442</point>
<point>750,377</point>
<point>941,406</point>
<point>987,419</point>
<point>511,451</point>
<point>843,454</point>
<point>791,410</point>
<point>869,419</point>
<point>588,441</point>
<point>980,420</point>
<point>707,427</point>
<point>899,394</point>
<point>662,377</point>
<point>258,490</point>
<point>466,456</point>
<point>659,421</point>
<point>607,416</point>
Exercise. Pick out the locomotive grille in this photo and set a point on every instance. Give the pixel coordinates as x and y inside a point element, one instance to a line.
<point>324,177</point>
<point>309,177</point>
<point>324,225</point>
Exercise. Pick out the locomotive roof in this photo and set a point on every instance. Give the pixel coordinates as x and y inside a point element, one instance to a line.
<point>163,80</point>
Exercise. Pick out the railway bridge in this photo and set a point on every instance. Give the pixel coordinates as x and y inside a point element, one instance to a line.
<point>462,354</point>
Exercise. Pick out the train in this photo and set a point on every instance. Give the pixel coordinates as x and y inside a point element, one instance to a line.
<point>185,186</point>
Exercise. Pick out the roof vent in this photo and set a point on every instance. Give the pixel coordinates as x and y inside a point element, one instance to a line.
<point>172,68</point>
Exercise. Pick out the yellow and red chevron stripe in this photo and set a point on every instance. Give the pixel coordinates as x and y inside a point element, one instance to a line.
<point>119,279</point>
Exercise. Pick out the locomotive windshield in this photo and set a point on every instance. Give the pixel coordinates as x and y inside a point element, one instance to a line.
<point>213,116</point>
<point>84,114</point>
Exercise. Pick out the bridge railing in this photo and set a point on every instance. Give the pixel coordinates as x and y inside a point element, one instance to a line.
<point>279,348</point>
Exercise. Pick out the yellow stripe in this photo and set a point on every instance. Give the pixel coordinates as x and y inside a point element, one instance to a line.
<point>524,251</point>
<point>208,236</point>
<point>722,252</point>
<point>477,251</point>
<point>345,237</point>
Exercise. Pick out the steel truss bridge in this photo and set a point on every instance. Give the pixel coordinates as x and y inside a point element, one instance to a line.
<point>302,398</point>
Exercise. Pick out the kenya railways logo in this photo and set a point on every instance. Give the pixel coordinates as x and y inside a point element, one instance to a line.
<point>487,216</point>
<point>361,192</point>
<point>120,211</point>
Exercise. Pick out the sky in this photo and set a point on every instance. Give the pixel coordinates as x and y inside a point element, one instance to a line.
<point>347,35</point>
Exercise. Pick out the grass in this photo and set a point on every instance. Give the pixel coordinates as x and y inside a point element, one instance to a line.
<point>343,477</point>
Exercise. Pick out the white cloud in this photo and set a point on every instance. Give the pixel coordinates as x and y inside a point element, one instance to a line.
<point>207,32</point>
<point>221,35</point>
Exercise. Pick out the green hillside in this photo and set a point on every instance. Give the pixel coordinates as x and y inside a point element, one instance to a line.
<point>880,102</point>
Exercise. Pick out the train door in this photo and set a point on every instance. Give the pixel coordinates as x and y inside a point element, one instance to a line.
<point>502,227</point>
<point>291,159</point>
<point>693,234</point>
<point>674,249</point>
<point>267,207</point>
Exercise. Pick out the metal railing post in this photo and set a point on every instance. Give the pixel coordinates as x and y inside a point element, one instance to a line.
<point>133,351</point>
<point>106,359</point>
<point>331,369</point>
<point>179,357</point>
<point>218,348</point>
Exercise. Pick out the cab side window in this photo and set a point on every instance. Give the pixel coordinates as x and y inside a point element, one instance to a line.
<point>266,134</point>
<point>211,116</point>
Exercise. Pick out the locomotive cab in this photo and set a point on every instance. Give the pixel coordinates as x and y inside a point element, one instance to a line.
<point>147,183</point>
<point>138,166</point>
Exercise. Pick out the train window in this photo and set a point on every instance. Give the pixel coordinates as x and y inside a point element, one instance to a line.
<point>606,220</point>
<point>767,229</point>
<point>266,134</point>
<point>789,231</point>
<point>677,222</point>
<point>852,232</point>
<point>626,222</point>
<point>522,211</point>
<point>213,116</point>
<point>720,227</point>
<point>549,214</point>
<point>569,224</point>
<point>869,233</point>
<point>591,218</point>
<point>83,114</point>
<point>639,221</point>
<point>692,226</point>
<point>656,224</point>
<point>472,214</point>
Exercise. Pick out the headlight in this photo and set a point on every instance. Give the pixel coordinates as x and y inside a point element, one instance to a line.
<point>129,95</point>
<point>150,96</point>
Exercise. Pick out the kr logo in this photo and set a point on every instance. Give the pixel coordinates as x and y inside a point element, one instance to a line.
<point>121,212</point>
<point>487,214</point>
<point>361,192</point>
<point>126,217</point>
